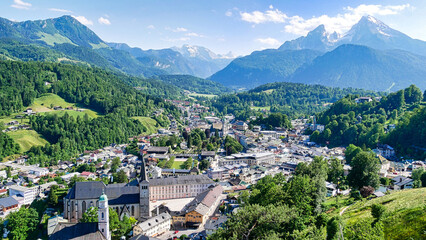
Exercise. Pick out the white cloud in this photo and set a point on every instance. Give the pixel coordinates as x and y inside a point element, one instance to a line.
<point>228,13</point>
<point>150,26</point>
<point>275,16</point>
<point>59,10</point>
<point>193,34</point>
<point>339,23</point>
<point>180,29</point>
<point>269,41</point>
<point>182,39</point>
<point>83,20</point>
<point>21,4</point>
<point>104,21</point>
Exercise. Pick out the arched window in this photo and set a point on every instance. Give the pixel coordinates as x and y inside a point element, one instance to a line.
<point>83,206</point>
<point>102,215</point>
<point>133,210</point>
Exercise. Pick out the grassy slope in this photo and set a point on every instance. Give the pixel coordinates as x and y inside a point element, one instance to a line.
<point>43,104</point>
<point>405,213</point>
<point>149,123</point>
<point>27,138</point>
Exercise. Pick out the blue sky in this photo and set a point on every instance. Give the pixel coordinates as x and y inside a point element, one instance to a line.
<point>240,26</point>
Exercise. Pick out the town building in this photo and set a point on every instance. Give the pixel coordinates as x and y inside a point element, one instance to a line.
<point>82,231</point>
<point>154,226</point>
<point>204,204</point>
<point>249,158</point>
<point>132,199</point>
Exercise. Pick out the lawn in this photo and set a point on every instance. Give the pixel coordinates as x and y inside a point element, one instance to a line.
<point>27,138</point>
<point>149,123</point>
<point>178,165</point>
<point>405,216</point>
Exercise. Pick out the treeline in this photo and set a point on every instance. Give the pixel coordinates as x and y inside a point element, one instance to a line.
<point>100,90</point>
<point>409,137</point>
<point>292,99</point>
<point>365,124</point>
<point>194,84</point>
<point>277,209</point>
<point>69,136</point>
<point>272,121</point>
<point>7,145</point>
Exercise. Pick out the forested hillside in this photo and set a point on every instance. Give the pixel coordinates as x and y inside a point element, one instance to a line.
<point>109,94</point>
<point>69,136</point>
<point>292,99</point>
<point>366,124</point>
<point>194,84</point>
<point>97,89</point>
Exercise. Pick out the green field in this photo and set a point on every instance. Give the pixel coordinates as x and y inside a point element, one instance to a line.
<point>194,95</point>
<point>267,108</point>
<point>269,91</point>
<point>149,123</point>
<point>45,103</point>
<point>405,216</point>
<point>6,119</point>
<point>178,164</point>
<point>27,138</point>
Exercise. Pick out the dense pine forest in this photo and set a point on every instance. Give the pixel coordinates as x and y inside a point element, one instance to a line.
<point>292,99</point>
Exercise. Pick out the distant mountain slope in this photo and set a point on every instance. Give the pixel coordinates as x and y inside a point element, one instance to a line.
<point>75,42</point>
<point>262,67</point>
<point>193,60</point>
<point>194,84</point>
<point>363,67</point>
<point>317,39</point>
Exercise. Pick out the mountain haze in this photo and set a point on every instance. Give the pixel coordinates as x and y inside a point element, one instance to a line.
<point>363,67</point>
<point>262,67</point>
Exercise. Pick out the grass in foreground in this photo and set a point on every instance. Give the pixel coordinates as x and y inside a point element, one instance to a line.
<point>405,216</point>
<point>27,138</point>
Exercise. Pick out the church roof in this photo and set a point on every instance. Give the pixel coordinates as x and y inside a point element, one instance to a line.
<point>180,180</point>
<point>77,231</point>
<point>117,193</point>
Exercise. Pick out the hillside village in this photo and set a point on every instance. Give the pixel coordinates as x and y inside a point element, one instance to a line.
<point>193,203</point>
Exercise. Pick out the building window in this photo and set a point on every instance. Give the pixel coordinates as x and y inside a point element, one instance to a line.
<point>102,217</point>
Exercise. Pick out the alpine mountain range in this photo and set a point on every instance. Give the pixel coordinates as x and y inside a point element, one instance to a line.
<point>371,55</point>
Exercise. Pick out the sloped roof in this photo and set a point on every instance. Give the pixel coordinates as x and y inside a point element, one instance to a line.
<point>180,180</point>
<point>77,231</point>
<point>8,202</point>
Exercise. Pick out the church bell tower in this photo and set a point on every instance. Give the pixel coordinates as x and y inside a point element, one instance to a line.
<point>144,194</point>
<point>103,216</point>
